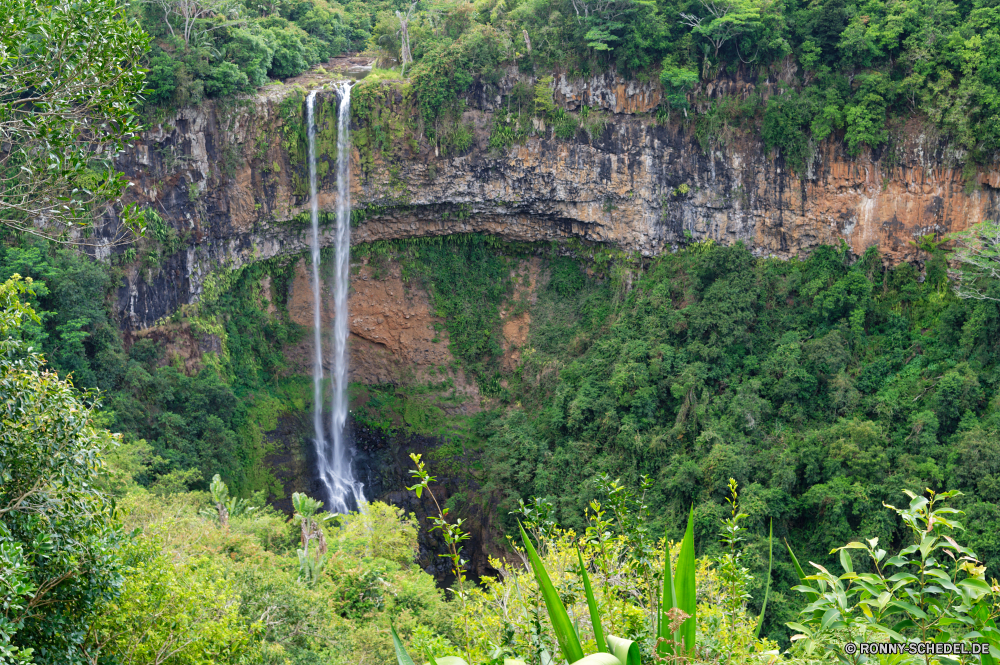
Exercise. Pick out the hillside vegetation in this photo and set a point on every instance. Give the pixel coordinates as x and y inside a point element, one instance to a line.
<point>685,425</point>
<point>852,70</point>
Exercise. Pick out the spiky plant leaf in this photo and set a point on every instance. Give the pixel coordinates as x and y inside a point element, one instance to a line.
<point>401,656</point>
<point>812,596</point>
<point>684,587</point>
<point>667,603</point>
<point>767,588</point>
<point>595,615</point>
<point>561,625</point>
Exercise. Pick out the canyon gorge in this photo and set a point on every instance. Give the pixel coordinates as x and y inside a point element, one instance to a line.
<point>230,182</point>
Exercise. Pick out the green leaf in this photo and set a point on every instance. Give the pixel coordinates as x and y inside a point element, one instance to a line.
<point>595,614</point>
<point>561,625</point>
<point>684,586</point>
<point>626,651</point>
<point>927,545</point>
<point>910,608</point>
<point>845,561</point>
<point>598,659</point>
<point>402,657</point>
<point>812,596</point>
<point>973,583</point>
<point>767,587</point>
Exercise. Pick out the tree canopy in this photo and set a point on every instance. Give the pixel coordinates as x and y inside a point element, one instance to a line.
<point>71,82</point>
<point>58,539</point>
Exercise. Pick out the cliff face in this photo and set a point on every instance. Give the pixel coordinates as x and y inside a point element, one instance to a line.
<point>230,182</point>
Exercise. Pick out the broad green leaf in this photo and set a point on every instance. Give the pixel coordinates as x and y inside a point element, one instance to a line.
<point>447,660</point>
<point>595,614</point>
<point>561,625</point>
<point>402,657</point>
<point>845,560</point>
<point>910,608</point>
<point>870,588</point>
<point>973,583</point>
<point>798,626</point>
<point>625,651</point>
<point>927,544</point>
<point>684,586</point>
<point>598,659</point>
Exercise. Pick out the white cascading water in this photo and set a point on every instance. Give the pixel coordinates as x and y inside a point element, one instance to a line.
<point>333,458</point>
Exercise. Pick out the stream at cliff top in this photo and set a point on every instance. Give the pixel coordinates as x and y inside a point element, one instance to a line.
<point>334,453</point>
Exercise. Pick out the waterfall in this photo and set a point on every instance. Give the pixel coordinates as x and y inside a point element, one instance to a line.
<point>320,437</point>
<point>346,489</point>
<point>333,456</point>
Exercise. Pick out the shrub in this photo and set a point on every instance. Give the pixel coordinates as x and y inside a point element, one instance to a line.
<point>59,542</point>
<point>161,79</point>
<point>677,82</point>
<point>291,57</point>
<point>786,118</point>
<point>566,126</point>
<point>380,531</point>
<point>252,53</point>
<point>225,79</point>
<point>449,68</point>
<point>933,590</point>
<point>865,123</point>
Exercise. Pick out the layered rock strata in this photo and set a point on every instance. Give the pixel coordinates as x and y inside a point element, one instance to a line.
<point>229,182</point>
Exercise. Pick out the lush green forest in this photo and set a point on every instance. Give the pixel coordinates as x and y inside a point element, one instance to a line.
<point>819,388</point>
<point>715,457</point>
<point>824,387</point>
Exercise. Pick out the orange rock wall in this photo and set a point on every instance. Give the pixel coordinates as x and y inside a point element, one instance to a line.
<point>393,339</point>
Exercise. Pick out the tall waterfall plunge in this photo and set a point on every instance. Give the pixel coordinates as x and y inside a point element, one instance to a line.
<point>333,455</point>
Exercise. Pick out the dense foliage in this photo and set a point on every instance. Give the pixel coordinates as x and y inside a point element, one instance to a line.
<point>824,386</point>
<point>834,66</point>
<point>196,591</point>
<point>852,70</point>
<point>193,422</point>
<point>58,538</point>
<point>848,69</point>
<point>217,48</point>
<point>71,78</point>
